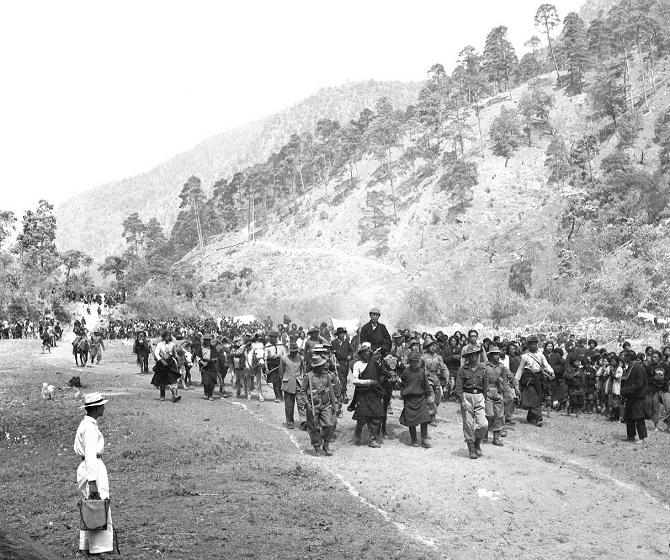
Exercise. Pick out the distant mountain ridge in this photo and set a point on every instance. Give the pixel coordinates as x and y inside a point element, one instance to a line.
<point>92,221</point>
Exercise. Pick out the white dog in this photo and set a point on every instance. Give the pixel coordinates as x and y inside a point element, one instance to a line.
<point>48,391</point>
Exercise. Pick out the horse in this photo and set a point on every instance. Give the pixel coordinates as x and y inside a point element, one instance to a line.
<point>254,367</point>
<point>80,348</point>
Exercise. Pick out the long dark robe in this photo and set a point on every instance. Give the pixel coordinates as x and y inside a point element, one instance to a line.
<point>369,400</point>
<point>634,390</point>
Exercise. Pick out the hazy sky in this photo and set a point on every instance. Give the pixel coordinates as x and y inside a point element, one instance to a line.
<point>96,91</point>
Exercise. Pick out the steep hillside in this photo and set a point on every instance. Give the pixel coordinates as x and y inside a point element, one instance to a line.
<point>446,261</point>
<point>92,221</point>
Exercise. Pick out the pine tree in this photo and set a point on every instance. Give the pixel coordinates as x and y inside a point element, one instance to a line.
<point>384,137</point>
<point>575,46</point>
<point>133,232</point>
<point>499,57</point>
<point>546,18</point>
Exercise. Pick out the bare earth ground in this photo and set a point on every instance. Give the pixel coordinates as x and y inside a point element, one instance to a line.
<point>206,479</point>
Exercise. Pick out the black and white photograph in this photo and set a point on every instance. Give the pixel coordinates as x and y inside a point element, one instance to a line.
<point>315,280</point>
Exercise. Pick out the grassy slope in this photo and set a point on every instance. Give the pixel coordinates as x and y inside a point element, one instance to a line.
<point>513,214</point>
<point>194,480</point>
<point>94,218</point>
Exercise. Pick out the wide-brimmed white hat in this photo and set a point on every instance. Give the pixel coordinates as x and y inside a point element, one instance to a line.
<point>93,399</point>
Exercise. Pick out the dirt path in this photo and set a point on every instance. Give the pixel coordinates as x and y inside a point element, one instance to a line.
<point>546,494</point>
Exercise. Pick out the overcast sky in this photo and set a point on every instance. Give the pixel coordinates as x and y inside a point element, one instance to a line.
<point>96,91</point>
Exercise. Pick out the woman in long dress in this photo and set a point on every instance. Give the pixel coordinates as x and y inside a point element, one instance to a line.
<point>89,445</point>
<point>416,394</point>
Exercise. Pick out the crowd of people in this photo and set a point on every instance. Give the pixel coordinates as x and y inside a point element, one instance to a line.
<point>313,370</point>
<point>47,329</point>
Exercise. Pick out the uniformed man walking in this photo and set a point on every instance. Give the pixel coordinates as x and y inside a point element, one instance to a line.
<point>496,376</point>
<point>471,386</point>
<point>320,397</point>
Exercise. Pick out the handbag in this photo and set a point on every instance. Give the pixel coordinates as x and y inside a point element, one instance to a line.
<point>94,514</point>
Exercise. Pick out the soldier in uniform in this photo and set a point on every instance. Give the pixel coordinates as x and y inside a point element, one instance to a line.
<point>496,375</point>
<point>437,373</point>
<point>309,345</point>
<point>291,371</point>
<point>273,353</point>
<point>470,388</point>
<point>318,392</point>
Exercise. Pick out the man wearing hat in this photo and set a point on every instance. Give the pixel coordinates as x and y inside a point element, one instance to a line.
<point>376,333</point>
<point>309,345</point>
<point>320,401</point>
<point>343,354</point>
<point>273,353</point>
<point>96,345</point>
<point>291,371</point>
<point>497,378</point>
<point>208,362</point>
<point>368,403</point>
<point>437,373</point>
<point>470,388</point>
<point>237,362</point>
<point>532,372</point>
<point>473,335</point>
<point>92,479</point>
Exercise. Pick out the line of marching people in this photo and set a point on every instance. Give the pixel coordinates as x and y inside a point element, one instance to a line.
<point>312,371</point>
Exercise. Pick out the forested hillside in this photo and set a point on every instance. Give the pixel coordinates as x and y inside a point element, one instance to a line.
<point>93,220</point>
<point>525,185</point>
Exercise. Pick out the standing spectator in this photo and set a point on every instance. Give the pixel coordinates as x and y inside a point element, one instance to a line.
<point>633,391</point>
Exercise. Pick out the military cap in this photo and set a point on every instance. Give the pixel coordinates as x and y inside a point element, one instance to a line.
<point>470,349</point>
<point>318,361</point>
<point>375,310</point>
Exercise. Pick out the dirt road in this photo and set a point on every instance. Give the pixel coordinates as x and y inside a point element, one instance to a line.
<point>227,475</point>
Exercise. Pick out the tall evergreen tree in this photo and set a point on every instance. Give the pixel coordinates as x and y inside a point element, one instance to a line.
<point>546,18</point>
<point>499,57</point>
<point>575,44</point>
